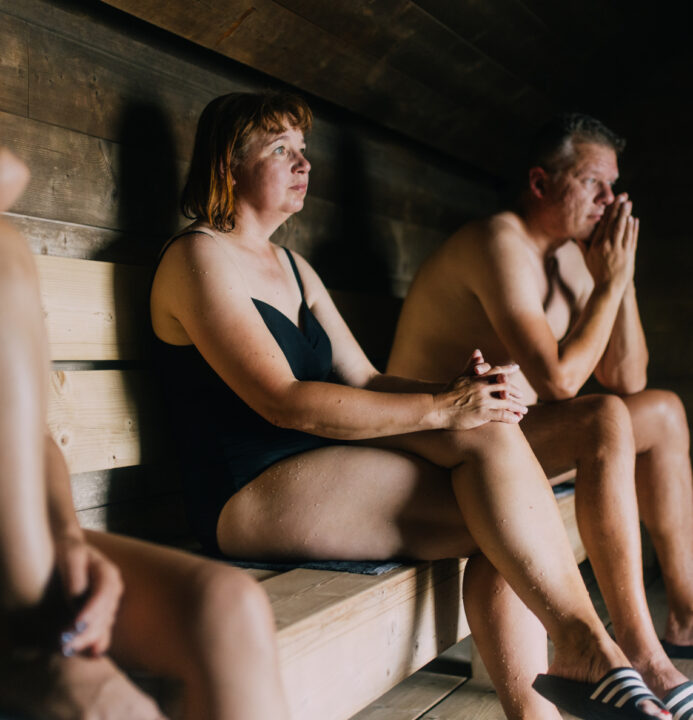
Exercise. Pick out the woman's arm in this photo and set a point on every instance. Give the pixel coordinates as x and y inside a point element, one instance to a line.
<point>203,289</point>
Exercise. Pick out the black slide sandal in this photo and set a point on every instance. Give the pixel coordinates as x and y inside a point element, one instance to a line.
<point>615,697</point>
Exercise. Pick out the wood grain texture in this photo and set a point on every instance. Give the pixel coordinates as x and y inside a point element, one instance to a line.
<point>93,310</point>
<point>411,698</point>
<point>389,628</point>
<point>110,98</point>
<point>412,73</point>
<point>86,89</point>
<point>103,487</point>
<point>76,178</point>
<point>100,420</point>
<point>14,65</point>
<point>52,237</point>
<point>160,519</point>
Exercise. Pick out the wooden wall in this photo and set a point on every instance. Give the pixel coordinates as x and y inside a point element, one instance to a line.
<point>104,109</point>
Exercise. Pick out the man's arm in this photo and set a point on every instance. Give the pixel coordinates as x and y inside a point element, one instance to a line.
<point>623,367</point>
<point>505,283</point>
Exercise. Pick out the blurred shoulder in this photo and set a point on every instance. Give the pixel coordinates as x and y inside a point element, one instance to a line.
<point>497,234</point>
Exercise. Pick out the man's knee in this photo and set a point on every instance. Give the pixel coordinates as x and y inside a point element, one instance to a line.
<point>665,411</point>
<point>605,425</point>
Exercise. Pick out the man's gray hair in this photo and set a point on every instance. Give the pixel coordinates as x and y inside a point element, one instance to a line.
<point>553,145</point>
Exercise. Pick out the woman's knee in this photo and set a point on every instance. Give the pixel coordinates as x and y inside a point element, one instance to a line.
<point>488,439</point>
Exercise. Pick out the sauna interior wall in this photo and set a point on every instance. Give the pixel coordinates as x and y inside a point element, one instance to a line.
<point>104,108</point>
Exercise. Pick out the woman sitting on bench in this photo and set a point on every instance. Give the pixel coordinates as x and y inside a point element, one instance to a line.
<point>68,596</point>
<point>295,447</point>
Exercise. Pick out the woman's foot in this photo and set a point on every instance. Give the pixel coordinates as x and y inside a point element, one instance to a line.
<point>48,686</point>
<point>590,659</point>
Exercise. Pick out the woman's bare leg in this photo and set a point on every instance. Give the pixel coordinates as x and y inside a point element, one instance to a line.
<point>201,621</point>
<point>510,639</point>
<point>362,502</point>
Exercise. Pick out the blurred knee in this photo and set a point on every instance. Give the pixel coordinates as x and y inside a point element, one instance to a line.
<point>231,604</point>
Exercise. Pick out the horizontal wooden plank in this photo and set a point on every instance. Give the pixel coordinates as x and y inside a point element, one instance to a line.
<point>383,633</point>
<point>93,310</point>
<point>411,698</point>
<point>160,519</point>
<point>101,419</point>
<point>104,487</point>
<point>14,65</point>
<point>84,88</point>
<point>52,237</point>
<point>85,180</point>
<point>400,86</point>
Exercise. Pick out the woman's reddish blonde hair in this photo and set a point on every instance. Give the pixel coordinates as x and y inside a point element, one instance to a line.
<point>223,133</point>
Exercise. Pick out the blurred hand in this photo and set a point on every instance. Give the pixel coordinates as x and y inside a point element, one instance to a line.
<point>93,584</point>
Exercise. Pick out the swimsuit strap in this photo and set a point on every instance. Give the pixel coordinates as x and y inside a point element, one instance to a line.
<point>295,269</point>
<point>169,242</point>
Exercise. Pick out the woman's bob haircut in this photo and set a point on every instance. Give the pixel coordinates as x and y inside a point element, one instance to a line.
<point>221,142</point>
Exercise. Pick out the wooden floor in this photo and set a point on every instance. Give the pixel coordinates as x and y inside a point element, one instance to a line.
<point>444,689</point>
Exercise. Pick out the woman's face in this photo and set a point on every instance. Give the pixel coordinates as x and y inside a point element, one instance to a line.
<point>272,178</point>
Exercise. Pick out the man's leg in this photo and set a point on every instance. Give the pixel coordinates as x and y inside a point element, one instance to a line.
<point>665,496</point>
<point>594,435</point>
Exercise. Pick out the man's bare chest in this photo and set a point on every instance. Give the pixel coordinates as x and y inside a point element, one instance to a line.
<point>559,299</point>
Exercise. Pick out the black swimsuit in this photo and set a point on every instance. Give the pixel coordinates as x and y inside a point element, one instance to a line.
<point>223,443</point>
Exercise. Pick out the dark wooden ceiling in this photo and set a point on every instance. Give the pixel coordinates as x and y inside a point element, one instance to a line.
<point>471,78</point>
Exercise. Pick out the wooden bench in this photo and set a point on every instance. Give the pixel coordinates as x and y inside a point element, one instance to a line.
<point>344,639</point>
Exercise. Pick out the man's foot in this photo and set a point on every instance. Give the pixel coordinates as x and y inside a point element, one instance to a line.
<point>679,632</point>
<point>48,686</point>
<point>658,672</point>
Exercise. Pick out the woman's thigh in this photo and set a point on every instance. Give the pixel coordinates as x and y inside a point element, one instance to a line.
<point>346,502</point>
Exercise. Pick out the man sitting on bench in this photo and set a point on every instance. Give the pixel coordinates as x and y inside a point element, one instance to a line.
<point>549,284</point>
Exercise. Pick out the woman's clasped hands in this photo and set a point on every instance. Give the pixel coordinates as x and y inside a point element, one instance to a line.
<point>481,394</point>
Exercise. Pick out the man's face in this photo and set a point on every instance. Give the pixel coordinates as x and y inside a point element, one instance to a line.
<point>578,195</point>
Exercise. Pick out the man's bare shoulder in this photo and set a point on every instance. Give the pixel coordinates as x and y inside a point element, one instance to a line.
<point>502,231</point>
